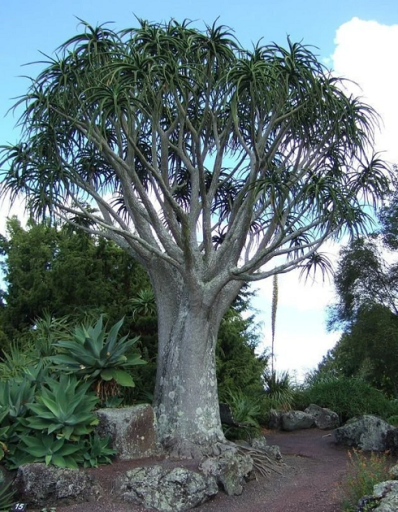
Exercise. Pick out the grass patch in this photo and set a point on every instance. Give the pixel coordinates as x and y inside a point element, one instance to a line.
<point>364,471</point>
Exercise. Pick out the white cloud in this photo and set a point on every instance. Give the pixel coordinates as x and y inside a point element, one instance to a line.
<point>366,52</point>
<point>9,209</point>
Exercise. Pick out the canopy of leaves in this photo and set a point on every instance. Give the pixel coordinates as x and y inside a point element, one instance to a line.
<point>195,150</point>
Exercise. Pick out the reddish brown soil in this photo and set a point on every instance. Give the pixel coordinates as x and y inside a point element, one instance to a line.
<point>315,468</point>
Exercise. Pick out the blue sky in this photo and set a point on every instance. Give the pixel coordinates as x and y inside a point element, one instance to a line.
<point>357,38</point>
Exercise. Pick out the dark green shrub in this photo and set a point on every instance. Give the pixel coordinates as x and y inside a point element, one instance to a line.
<point>347,396</point>
<point>393,420</point>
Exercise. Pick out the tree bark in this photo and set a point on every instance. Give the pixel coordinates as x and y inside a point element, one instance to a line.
<point>186,395</point>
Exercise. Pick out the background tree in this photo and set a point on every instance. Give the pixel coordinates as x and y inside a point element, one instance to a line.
<point>366,310</point>
<point>362,278</point>
<point>64,272</point>
<point>205,161</point>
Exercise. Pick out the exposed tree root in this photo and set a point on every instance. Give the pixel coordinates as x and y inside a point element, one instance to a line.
<point>262,464</point>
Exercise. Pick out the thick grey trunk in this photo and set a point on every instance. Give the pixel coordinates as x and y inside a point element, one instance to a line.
<point>186,396</point>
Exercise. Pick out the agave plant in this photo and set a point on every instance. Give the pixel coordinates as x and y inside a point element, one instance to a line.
<point>64,407</point>
<point>99,357</point>
<point>52,450</point>
<point>97,451</point>
<point>14,397</point>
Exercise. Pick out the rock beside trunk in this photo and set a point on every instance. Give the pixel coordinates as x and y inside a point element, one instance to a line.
<point>230,469</point>
<point>43,485</point>
<point>164,489</point>
<point>132,431</point>
<point>272,451</point>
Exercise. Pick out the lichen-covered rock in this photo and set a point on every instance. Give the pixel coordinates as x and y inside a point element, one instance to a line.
<point>365,432</point>
<point>367,503</point>
<point>230,469</point>
<point>132,431</point>
<point>387,493</point>
<point>259,443</point>
<point>165,489</point>
<point>325,419</point>
<point>45,485</point>
<point>393,472</point>
<point>296,420</point>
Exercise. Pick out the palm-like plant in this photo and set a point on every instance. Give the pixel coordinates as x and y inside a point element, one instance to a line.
<point>279,390</point>
<point>100,357</point>
<point>144,304</point>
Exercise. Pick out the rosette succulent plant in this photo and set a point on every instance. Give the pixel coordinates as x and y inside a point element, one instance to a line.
<point>64,407</point>
<point>100,357</point>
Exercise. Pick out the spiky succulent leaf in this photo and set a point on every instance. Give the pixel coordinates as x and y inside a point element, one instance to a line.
<point>121,377</point>
<point>94,354</point>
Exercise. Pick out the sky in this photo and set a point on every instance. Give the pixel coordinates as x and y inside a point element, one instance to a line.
<point>358,39</point>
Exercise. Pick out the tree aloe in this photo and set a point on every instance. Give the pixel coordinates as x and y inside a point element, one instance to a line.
<point>100,356</point>
<point>204,161</point>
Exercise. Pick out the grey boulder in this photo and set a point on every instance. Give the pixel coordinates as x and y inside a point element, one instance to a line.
<point>325,419</point>
<point>41,485</point>
<point>296,420</point>
<point>272,451</point>
<point>230,470</point>
<point>165,489</point>
<point>366,432</point>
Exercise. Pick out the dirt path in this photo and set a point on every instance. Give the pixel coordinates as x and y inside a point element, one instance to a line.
<point>315,467</point>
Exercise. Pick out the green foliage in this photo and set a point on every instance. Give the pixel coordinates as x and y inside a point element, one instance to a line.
<point>87,451</point>
<point>362,279</point>
<point>279,390</point>
<point>347,396</point>
<point>238,365</point>
<point>15,397</point>
<point>97,451</point>
<point>16,360</point>
<point>6,497</point>
<point>43,447</point>
<point>64,406</point>
<point>367,347</point>
<point>393,420</point>
<point>99,356</point>
<point>364,471</point>
<point>52,271</point>
<point>247,411</point>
